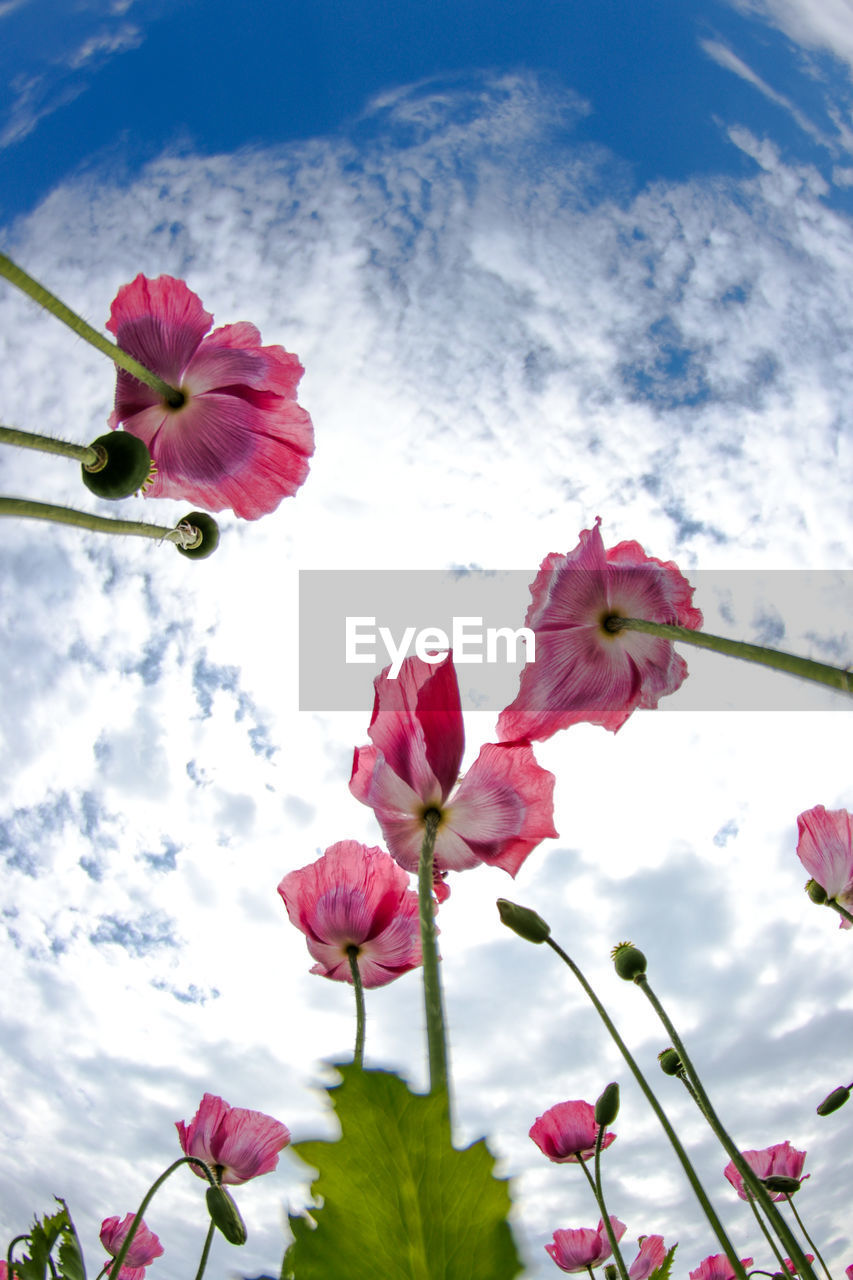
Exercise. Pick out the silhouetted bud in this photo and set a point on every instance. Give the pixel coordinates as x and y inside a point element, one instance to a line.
<point>670,1062</point>
<point>526,923</point>
<point>629,961</point>
<point>779,1182</point>
<point>611,1271</point>
<point>607,1105</point>
<point>225,1214</point>
<point>816,892</point>
<point>208,535</point>
<point>833,1101</point>
<point>123,466</point>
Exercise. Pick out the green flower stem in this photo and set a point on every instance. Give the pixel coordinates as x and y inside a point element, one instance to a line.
<point>801,1225</point>
<point>18,277</point>
<point>46,444</point>
<point>433,999</point>
<point>690,1172</point>
<point>11,1249</point>
<point>205,1253</point>
<point>753,1184</point>
<point>818,672</point>
<point>596,1188</point>
<point>767,1236</point>
<point>149,1196</point>
<point>358,987</point>
<point>842,911</point>
<point>98,524</point>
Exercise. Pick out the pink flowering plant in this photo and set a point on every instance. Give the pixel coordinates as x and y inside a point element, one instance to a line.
<point>211,418</point>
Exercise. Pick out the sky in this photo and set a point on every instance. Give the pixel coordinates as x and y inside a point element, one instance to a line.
<point>542,263</point>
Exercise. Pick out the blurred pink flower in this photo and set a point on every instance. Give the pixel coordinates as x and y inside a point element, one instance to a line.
<point>825,848</point>
<point>354,896</point>
<point>236,1143</point>
<point>500,811</point>
<point>789,1266</point>
<point>579,1248</point>
<point>849,1272</point>
<point>717,1267</point>
<point>239,440</point>
<point>566,1132</point>
<point>783,1159</point>
<point>144,1247</point>
<point>583,672</point>
<point>651,1256</point>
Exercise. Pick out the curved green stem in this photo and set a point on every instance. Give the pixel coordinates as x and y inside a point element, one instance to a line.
<point>18,277</point>
<point>98,524</point>
<point>766,1233</point>
<point>690,1172</point>
<point>358,988</point>
<point>205,1253</point>
<point>46,444</point>
<point>433,998</point>
<point>751,1182</point>
<point>801,1225</point>
<point>149,1196</point>
<point>842,911</point>
<point>818,672</point>
<point>597,1191</point>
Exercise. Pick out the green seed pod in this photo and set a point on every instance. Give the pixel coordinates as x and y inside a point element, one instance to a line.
<point>526,923</point>
<point>833,1101</point>
<point>607,1105</point>
<point>816,892</point>
<point>630,962</point>
<point>209,531</point>
<point>670,1062</point>
<point>779,1182</point>
<point>225,1214</point>
<point>123,466</point>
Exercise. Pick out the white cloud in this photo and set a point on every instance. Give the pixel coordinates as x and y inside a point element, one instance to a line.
<point>501,342</point>
<point>827,26</point>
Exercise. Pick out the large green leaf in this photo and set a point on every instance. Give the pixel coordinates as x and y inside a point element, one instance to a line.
<point>398,1200</point>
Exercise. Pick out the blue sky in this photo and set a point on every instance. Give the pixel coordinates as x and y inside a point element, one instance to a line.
<point>538,268</point>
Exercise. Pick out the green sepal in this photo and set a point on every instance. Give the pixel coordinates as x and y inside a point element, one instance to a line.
<point>126,470</point>
<point>397,1198</point>
<point>209,530</point>
<point>225,1214</point>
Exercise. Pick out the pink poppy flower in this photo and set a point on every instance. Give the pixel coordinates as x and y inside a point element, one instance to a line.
<point>825,848</point>
<point>789,1266</point>
<point>849,1272</point>
<point>239,440</point>
<point>236,1143</point>
<point>501,809</point>
<point>144,1247</point>
<point>782,1160</point>
<point>651,1256</point>
<point>582,671</point>
<point>566,1133</point>
<point>717,1267</point>
<point>355,897</point>
<point>579,1248</point>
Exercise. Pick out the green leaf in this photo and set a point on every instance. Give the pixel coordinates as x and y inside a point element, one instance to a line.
<point>71,1265</point>
<point>663,1271</point>
<point>397,1198</point>
<point>42,1237</point>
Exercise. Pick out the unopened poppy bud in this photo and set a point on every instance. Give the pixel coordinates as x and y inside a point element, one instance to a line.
<point>833,1101</point>
<point>526,923</point>
<point>779,1182</point>
<point>607,1105</point>
<point>610,1271</point>
<point>670,1062</point>
<point>123,465</point>
<point>208,535</point>
<point>225,1215</point>
<point>816,892</point>
<point>629,961</point>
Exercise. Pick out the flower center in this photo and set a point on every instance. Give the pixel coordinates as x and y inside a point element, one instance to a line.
<point>611,624</point>
<point>433,813</point>
<point>176,402</point>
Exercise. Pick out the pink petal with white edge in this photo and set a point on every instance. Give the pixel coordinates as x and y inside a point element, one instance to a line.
<point>248,1144</point>
<point>651,1256</point>
<point>144,1247</point>
<point>504,806</point>
<point>417,725</point>
<point>576,1249</point>
<point>825,848</point>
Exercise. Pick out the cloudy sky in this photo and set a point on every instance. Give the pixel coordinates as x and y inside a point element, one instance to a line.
<point>542,263</point>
